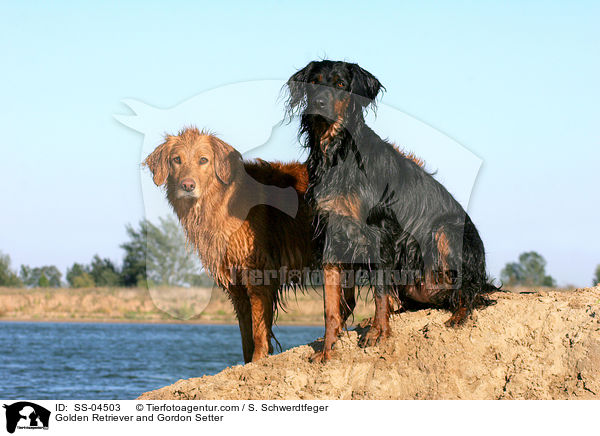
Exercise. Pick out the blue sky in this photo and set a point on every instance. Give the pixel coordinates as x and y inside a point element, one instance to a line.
<point>516,83</point>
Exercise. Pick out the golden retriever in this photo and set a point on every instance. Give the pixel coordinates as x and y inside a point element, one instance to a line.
<point>247,220</point>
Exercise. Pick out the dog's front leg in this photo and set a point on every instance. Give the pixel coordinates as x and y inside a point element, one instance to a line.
<point>243,310</point>
<point>348,302</point>
<point>261,301</point>
<point>333,319</point>
<point>380,328</point>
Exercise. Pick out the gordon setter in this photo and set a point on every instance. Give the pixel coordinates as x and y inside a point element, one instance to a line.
<point>378,208</point>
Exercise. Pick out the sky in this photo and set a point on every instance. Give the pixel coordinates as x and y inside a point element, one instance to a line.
<point>514,83</point>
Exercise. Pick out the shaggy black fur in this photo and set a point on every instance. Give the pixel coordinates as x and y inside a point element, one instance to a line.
<point>377,207</point>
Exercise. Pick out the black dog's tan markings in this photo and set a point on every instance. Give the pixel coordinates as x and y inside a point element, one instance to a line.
<point>348,205</point>
<point>416,223</point>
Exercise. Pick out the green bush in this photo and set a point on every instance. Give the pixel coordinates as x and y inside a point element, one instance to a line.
<point>7,276</point>
<point>44,276</point>
<point>529,271</point>
<point>84,280</point>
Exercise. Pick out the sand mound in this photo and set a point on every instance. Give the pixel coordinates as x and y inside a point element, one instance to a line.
<point>535,346</point>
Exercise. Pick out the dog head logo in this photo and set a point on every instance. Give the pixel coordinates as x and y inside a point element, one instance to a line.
<point>250,116</point>
<point>26,415</point>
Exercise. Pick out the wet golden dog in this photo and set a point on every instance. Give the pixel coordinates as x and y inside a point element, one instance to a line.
<point>247,220</point>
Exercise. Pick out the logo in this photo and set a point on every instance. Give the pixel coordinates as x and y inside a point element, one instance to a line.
<point>26,415</point>
<point>262,130</point>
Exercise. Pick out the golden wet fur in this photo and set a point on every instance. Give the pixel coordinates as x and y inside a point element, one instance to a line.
<point>241,217</point>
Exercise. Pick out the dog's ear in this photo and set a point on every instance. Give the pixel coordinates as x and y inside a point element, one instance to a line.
<point>297,85</point>
<point>158,160</point>
<point>227,160</point>
<point>365,85</point>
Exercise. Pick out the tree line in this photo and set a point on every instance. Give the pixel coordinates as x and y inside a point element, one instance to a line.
<point>154,255</point>
<point>530,270</point>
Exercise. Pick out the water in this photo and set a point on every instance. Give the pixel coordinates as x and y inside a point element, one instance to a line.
<point>117,361</point>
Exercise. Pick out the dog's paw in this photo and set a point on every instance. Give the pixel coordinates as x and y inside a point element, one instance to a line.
<point>373,337</point>
<point>320,357</point>
<point>458,318</point>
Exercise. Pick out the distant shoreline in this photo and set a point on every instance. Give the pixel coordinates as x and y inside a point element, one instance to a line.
<point>144,321</point>
<point>136,306</point>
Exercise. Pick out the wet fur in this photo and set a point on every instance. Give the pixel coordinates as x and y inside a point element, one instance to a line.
<point>236,224</point>
<point>414,220</point>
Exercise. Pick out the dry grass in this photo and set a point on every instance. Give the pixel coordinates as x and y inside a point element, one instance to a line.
<point>171,305</point>
<point>137,305</point>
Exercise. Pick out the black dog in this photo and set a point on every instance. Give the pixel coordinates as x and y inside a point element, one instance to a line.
<point>378,208</point>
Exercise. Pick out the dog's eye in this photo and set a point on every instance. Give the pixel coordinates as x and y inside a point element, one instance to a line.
<point>177,160</point>
<point>203,160</point>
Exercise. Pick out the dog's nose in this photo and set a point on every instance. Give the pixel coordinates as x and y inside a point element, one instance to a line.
<point>188,185</point>
<point>320,103</point>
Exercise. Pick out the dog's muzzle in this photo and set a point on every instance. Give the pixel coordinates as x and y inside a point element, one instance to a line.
<point>321,104</point>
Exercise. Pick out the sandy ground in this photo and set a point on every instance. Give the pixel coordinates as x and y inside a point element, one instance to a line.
<point>528,346</point>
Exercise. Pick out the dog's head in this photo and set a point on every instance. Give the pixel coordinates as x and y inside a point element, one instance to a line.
<point>192,162</point>
<point>332,90</point>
